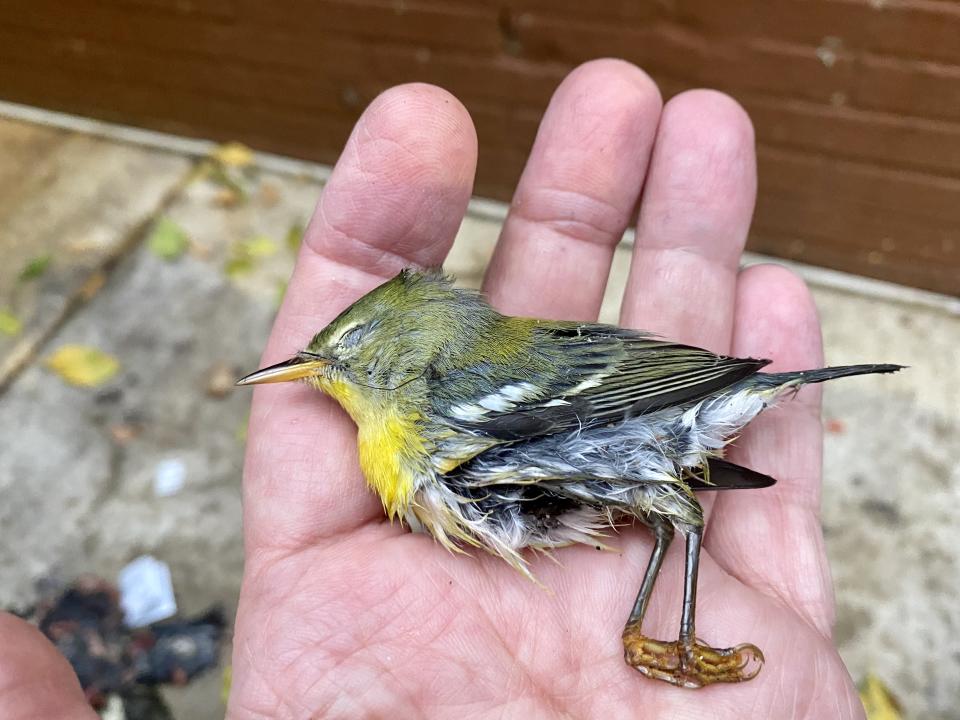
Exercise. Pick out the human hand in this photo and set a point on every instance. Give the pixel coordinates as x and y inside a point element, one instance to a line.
<point>344,615</point>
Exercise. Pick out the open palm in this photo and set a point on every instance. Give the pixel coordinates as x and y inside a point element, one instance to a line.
<point>345,615</point>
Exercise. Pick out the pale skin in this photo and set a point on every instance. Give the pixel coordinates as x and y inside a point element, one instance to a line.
<point>344,615</point>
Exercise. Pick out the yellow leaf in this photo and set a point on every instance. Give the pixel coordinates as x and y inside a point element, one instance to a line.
<point>259,246</point>
<point>877,700</point>
<point>168,240</point>
<point>82,365</point>
<point>241,433</point>
<point>226,683</point>
<point>9,323</point>
<point>233,154</point>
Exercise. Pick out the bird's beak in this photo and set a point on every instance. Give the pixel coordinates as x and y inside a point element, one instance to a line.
<point>295,368</point>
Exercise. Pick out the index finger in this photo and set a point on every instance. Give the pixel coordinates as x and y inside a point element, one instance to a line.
<point>396,198</point>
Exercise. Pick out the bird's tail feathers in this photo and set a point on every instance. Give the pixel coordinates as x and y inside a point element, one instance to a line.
<point>785,380</point>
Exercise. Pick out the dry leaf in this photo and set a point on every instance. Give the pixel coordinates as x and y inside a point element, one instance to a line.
<point>168,240</point>
<point>82,365</point>
<point>228,197</point>
<point>93,284</point>
<point>9,323</point>
<point>269,195</point>
<point>233,154</point>
<point>220,380</point>
<point>877,700</point>
<point>35,268</point>
<point>835,426</point>
<point>123,433</point>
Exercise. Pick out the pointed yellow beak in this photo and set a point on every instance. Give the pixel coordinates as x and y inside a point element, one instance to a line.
<point>295,368</point>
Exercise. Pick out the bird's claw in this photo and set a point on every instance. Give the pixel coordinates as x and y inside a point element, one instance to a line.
<point>690,665</point>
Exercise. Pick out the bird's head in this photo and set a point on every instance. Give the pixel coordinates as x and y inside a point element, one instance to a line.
<point>383,341</point>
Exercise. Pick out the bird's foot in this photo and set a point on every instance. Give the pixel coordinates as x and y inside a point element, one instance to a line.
<point>690,665</point>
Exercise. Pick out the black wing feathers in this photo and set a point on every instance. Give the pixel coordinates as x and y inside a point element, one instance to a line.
<point>604,374</point>
<point>724,475</point>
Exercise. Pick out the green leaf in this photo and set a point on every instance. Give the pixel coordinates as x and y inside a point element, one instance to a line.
<point>238,265</point>
<point>35,267</point>
<point>294,237</point>
<point>168,240</point>
<point>9,323</point>
<point>82,365</point>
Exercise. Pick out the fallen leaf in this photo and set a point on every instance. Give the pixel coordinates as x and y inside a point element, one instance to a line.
<point>243,254</point>
<point>82,365</point>
<point>294,236</point>
<point>877,700</point>
<point>9,323</point>
<point>241,433</point>
<point>237,266</point>
<point>233,154</point>
<point>35,268</point>
<point>269,195</point>
<point>258,246</point>
<point>228,197</point>
<point>168,240</point>
<point>226,683</point>
<point>836,426</point>
<point>92,285</point>
<point>122,433</point>
<point>229,180</point>
<point>220,380</point>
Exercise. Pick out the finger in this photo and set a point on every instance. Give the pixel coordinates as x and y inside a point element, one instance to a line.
<point>36,681</point>
<point>577,193</point>
<point>694,217</point>
<point>771,539</point>
<point>396,197</point>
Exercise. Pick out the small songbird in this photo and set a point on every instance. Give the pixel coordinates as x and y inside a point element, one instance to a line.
<point>505,433</point>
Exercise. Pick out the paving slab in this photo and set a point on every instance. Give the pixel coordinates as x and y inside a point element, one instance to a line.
<point>66,205</point>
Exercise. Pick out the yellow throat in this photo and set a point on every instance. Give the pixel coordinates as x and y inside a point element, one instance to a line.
<point>389,442</point>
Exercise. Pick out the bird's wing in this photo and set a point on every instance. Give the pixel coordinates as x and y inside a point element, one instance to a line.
<point>581,375</point>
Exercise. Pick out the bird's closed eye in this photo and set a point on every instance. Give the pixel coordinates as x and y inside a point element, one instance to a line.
<point>352,336</point>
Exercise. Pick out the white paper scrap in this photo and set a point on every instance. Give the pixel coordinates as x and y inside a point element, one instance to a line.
<point>146,592</point>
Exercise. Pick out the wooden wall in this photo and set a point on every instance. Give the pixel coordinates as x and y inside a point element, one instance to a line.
<point>856,102</point>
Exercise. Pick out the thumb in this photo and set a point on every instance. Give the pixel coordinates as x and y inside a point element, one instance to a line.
<point>36,681</point>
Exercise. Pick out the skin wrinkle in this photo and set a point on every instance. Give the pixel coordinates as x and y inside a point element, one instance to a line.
<point>626,104</point>
<point>574,214</point>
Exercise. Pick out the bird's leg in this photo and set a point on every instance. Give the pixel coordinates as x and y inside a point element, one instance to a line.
<point>662,537</point>
<point>685,662</point>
